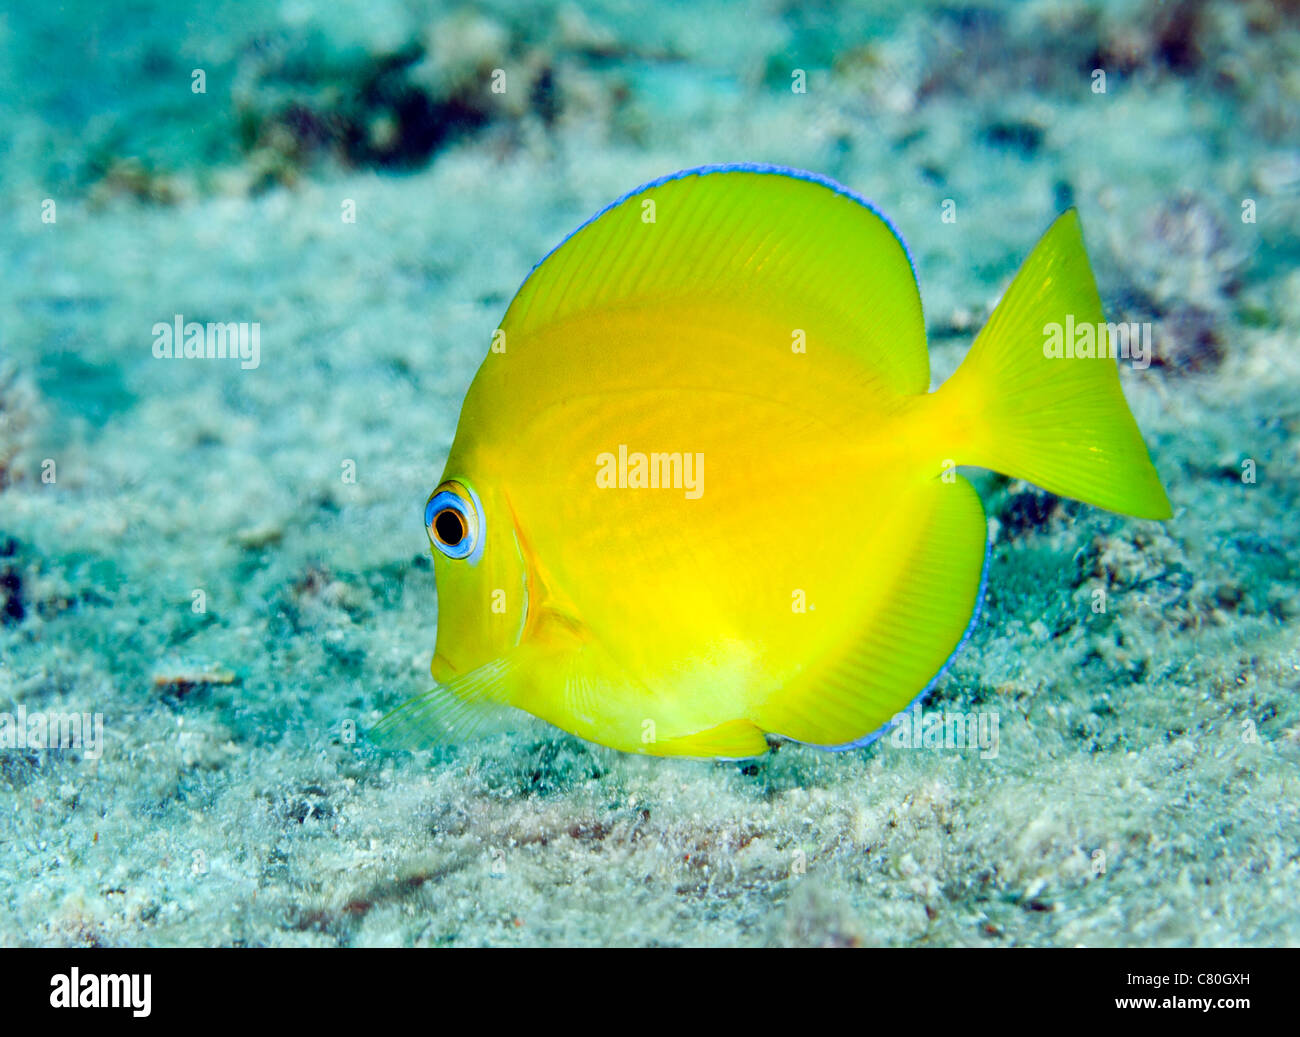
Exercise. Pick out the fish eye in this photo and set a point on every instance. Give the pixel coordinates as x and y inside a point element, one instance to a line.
<point>453,520</point>
<point>449,526</point>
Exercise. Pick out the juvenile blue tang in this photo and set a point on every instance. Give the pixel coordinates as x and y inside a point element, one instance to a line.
<point>701,493</point>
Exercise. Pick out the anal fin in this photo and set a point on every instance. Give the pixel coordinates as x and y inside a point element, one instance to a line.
<point>921,578</point>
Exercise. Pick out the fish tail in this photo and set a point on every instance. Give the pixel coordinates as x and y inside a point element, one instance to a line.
<point>1033,400</point>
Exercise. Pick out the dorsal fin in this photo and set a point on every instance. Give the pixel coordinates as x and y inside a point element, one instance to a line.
<point>797,248</point>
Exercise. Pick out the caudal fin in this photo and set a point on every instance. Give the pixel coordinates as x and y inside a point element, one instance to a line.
<point>1059,422</point>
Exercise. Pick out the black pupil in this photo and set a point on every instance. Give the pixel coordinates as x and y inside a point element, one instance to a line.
<point>449,526</point>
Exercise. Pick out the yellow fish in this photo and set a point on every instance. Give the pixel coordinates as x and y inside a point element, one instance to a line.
<point>700,493</point>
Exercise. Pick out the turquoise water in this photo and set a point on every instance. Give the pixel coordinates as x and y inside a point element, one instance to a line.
<point>226,564</point>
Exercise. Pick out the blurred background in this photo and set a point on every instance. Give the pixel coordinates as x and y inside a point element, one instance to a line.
<point>230,563</point>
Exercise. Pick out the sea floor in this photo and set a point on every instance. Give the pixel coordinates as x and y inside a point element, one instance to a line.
<point>229,564</point>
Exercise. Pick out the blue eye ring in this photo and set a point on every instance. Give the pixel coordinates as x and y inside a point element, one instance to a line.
<point>453,518</point>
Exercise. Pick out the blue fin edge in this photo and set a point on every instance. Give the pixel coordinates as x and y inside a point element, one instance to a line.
<point>737,167</point>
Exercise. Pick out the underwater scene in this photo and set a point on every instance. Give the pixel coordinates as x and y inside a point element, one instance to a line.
<point>650,474</point>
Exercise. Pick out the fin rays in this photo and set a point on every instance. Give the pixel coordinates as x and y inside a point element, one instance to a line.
<point>464,708</point>
<point>816,256</point>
